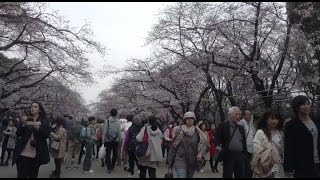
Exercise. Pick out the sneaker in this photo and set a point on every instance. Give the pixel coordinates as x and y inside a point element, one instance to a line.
<point>91,171</point>
<point>202,171</point>
<point>130,175</point>
<point>138,171</point>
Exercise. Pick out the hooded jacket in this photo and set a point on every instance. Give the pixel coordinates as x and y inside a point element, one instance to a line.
<point>154,152</point>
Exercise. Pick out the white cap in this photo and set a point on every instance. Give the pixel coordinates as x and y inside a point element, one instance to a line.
<point>189,115</point>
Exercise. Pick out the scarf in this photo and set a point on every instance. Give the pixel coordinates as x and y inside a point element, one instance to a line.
<point>203,143</point>
<point>170,133</point>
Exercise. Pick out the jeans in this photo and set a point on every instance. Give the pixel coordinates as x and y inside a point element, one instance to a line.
<point>87,159</point>
<point>183,173</point>
<point>111,146</point>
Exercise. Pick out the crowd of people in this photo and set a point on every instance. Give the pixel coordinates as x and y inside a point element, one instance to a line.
<point>271,147</point>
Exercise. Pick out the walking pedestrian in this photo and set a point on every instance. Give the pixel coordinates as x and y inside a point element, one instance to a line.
<point>154,155</point>
<point>168,136</point>
<point>187,148</point>
<point>269,136</point>
<point>302,141</point>
<point>211,135</point>
<point>130,143</point>
<point>74,145</point>
<point>111,138</point>
<point>203,127</point>
<point>87,136</point>
<point>250,131</point>
<point>231,143</point>
<point>9,141</point>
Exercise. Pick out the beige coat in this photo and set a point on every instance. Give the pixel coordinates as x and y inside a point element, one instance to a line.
<point>62,133</point>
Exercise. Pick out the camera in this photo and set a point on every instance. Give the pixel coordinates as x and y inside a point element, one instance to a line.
<point>30,118</point>
<point>33,143</point>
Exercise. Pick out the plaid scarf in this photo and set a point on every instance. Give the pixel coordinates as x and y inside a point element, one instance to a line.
<point>203,143</point>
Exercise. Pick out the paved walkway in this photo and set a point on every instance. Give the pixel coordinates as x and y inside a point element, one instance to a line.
<point>45,171</point>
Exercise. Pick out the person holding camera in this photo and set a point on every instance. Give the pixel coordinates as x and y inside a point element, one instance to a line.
<point>31,150</point>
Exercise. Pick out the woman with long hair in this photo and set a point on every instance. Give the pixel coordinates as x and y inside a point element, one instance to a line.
<point>269,135</point>
<point>31,150</point>
<point>204,128</point>
<point>60,135</point>
<point>154,156</point>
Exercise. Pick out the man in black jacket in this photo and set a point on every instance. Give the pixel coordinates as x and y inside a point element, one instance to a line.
<point>231,141</point>
<point>302,142</point>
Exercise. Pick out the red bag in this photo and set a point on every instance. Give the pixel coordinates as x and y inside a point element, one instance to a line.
<point>145,136</point>
<point>99,133</point>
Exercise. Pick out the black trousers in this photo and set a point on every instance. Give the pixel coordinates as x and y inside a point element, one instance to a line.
<point>163,147</point>
<point>151,172</point>
<point>132,159</point>
<point>57,163</point>
<point>99,144</point>
<point>248,170</point>
<point>26,167</point>
<point>211,163</point>
<point>111,147</point>
<point>233,164</point>
<point>81,153</point>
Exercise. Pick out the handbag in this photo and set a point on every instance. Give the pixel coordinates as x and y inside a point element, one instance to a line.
<point>222,152</point>
<point>55,145</point>
<point>102,152</point>
<point>142,147</point>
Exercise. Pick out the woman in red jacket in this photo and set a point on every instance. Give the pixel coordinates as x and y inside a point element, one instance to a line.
<point>211,134</point>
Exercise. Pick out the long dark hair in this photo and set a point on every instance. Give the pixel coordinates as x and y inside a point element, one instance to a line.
<point>42,111</point>
<point>263,122</point>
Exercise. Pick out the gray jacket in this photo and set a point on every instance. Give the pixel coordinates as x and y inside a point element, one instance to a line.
<point>185,155</point>
<point>113,131</point>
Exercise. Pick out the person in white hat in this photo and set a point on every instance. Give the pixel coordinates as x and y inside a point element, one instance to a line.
<point>188,147</point>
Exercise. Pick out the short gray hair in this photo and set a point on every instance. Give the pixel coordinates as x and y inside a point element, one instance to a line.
<point>233,109</point>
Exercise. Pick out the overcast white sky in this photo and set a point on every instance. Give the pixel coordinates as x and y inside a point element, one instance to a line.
<point>121,26</point>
